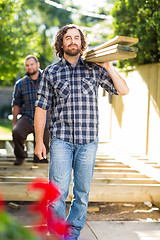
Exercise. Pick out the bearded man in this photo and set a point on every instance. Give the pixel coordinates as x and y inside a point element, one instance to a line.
<point>23,102</point>
<point>69,89</point>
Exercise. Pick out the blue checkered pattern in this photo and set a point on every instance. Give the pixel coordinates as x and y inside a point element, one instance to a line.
<point>71,94</point>
<point>25,94</point>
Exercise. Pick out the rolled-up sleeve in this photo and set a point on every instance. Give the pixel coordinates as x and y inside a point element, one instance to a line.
<point>106,82</point>
<point>16,100</point>
<point>44,92</point>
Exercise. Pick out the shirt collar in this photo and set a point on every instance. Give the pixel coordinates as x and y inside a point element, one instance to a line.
<point>64,62</point>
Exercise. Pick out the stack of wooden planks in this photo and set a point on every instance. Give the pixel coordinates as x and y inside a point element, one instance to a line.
<point>118,48</point>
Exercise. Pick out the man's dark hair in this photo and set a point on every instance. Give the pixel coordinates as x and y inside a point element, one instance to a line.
<point>29,57</point>
<point>59,39</point>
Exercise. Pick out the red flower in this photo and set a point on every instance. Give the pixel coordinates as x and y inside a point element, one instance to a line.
<point>1,203</point>
<point>50,194</point>
<point>59,226</point>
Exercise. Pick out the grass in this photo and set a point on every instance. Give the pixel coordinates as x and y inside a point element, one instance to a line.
<point>5,129</point>
<point>5,126</point>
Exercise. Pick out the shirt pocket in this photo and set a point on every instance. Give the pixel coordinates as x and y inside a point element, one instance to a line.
<point>62,89</point>
<point>88,86</point>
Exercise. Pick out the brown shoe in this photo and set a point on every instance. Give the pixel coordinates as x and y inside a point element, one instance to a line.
<point>37,160</point>
<point>41,161</point>
<point>18,161</point>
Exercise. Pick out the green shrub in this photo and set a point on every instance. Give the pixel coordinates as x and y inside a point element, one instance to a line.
<point>139,18</point>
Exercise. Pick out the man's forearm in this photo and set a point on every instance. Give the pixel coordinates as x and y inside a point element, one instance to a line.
<point>15,111</point>
<point>39,123</point>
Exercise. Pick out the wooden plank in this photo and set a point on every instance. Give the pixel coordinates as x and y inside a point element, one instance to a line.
<point>101,193</point>
<point>124,193</point>
<point>12,159</point>
<point>152,172</point>
<point>154,164</point>
<point>99,161</point>
<point>111,165</point>
<point>12,191</point>
<point>113,47</point>
<point>16,179</point>
<point>36,171</point>
<point>30,160</point>
<point>112,169</point>
<point>157,204</point>
<point>117,48</point>
<point>112,55</point>
<point>102,180</point>
<point>99,164</point>
<point>23,173</point>
<point>99,180</point>
<point>24,165</point>
<point>44,173</point>
<point>21,168</point>
<point>105,158</point>
<point>119,175</point>
<point>156,167</point>
<point>116,40</point>
<point>103,155</point>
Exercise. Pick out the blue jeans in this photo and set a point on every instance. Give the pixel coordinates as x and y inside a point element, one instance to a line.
<point>64,157</point>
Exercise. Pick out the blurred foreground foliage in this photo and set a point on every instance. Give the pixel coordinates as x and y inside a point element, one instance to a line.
<point>11,229</point>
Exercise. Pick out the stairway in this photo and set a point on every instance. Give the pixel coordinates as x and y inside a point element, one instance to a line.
<point>117,178</point>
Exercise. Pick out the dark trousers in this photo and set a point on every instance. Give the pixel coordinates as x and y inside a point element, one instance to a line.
<point>20,132</point>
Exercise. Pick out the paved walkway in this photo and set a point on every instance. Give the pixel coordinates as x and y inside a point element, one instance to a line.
<point>124,230</point>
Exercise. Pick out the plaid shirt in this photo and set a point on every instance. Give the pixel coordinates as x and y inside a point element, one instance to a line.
<point>71,93</point>
<point>25,95</point>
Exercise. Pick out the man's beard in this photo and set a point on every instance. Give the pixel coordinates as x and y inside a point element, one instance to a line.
<point>32,73</point>
<point>74,52</point>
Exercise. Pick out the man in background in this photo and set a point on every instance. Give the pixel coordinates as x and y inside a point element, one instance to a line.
<point>24,97</point>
